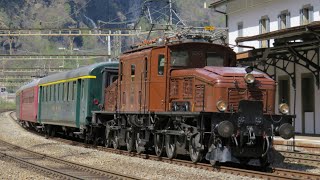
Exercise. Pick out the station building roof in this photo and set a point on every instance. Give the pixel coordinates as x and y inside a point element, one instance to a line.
<point>292,33</point>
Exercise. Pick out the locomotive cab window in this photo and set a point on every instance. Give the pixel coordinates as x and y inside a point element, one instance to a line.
<point>214,59</point>
<point>179,58</point>
<point>133,71</point>
<point>161,60</point>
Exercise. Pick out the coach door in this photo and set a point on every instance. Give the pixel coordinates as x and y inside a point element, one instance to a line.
<point>158,80</point>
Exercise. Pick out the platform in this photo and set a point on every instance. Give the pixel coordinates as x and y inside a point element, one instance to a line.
<point>300,143</point>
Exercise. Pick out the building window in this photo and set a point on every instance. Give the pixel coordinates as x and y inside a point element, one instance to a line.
<point>240,34</point>
<point>284,20</point>
<point>306,14</point>
<point>264,27</point>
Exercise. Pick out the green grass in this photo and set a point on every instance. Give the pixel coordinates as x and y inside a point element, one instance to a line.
<point>7,105</point>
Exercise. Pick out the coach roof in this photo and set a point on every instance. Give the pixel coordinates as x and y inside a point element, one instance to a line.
<point>76,73</point>
<point>33,83</point>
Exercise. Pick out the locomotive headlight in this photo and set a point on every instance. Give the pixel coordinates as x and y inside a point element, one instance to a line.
<point>284,108</point>
<point>225,129</point>
<point>221,106</point>
<point>249,78</point>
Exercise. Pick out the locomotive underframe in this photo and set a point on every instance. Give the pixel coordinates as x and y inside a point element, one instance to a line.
<point>193,133</point>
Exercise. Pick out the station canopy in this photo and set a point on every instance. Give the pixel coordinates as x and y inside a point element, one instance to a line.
<point>294,46</point>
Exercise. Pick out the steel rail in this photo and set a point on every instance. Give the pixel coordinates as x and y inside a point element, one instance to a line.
<point>305,158</point>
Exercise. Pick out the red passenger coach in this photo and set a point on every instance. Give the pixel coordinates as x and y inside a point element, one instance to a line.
<point>27,102</point>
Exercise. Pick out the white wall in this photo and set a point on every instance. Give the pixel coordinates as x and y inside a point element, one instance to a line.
<point>250,16</point>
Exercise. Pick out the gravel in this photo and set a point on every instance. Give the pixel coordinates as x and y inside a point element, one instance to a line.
<point>141,168</point>
<point>12,170</point>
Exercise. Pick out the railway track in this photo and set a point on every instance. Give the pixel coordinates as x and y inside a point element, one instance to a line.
<point>276,173</point>
<point>54,167</point>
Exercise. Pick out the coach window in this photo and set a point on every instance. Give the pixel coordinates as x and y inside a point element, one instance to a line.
<point>62,92</point>
<point>74,90</point>
<point>65,92</point>
<point>133,71</point>
<point>52,93</point>
<point>82,89</point>
<point>59,92</point>
<point>56,94</point>
<point>70,96</point>
<point>161,60</point>
<point>45,94</point>
<point>49,93</point>
<point>42,88</point>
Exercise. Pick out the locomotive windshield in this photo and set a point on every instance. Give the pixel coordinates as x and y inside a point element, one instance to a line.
<point>214,59</point>
<point>199,55</point>
<point>179,58</point>
<point>184,58</point>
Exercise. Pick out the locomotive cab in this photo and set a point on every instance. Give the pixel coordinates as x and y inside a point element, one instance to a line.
<point>237,103</point>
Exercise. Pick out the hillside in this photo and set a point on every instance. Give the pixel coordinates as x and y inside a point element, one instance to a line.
<point>89,13</point>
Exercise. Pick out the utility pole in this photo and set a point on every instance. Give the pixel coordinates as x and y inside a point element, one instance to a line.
<point>170,12</point>
<point>109,45</point>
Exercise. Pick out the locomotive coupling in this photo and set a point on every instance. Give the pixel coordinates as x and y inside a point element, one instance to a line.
<point>286,130</point>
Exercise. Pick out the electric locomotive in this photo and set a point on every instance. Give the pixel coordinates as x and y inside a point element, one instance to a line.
<point>189,98</point>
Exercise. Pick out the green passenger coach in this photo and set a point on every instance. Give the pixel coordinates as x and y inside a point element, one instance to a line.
<point>67,98</point>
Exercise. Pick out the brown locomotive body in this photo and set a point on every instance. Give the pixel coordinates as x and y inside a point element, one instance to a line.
<point>189,98</point>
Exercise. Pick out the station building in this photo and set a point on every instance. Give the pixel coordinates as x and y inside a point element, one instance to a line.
<point>298,82</point>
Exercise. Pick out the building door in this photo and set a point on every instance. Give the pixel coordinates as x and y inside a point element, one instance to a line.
<point>284,90</point>
<point>307,99</point>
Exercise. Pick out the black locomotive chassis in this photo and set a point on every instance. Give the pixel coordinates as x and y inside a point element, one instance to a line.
<point>187,125</point>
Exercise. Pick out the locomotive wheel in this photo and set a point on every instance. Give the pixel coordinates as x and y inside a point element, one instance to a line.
<point>139,149</point>
<point>130,140</point>
<point>194,151</point>
<point>171,147</point>
<point>158,144</point>
<point>115,139</point>
<point>264,161</point>
<point>107,139</point>
<point>213,162</point>
<point>244,161</point>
